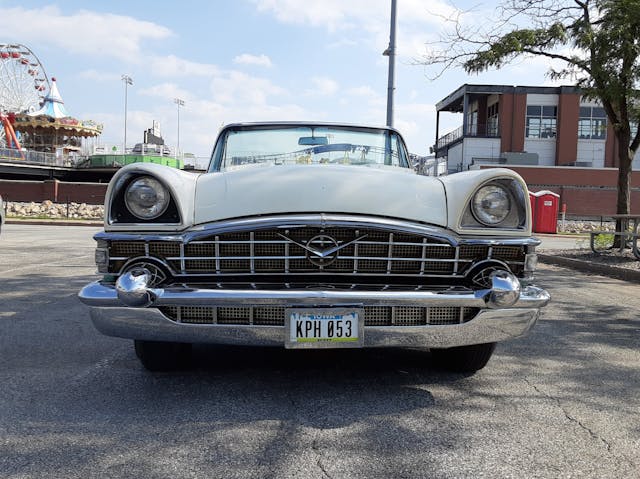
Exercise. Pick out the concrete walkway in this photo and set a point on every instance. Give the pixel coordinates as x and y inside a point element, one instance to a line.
<point>561,242</point>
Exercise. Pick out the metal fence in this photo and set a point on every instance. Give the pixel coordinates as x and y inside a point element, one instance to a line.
<point>430,166</point>
<point>37,157</point>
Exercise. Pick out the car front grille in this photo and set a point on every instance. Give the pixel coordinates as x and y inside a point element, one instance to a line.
<point>363,251</point>
<point>274,315</point>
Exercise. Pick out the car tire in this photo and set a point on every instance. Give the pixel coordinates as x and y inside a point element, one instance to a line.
<point>464,359</point>
<point>162,356</point>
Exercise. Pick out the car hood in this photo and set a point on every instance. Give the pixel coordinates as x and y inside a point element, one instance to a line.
<point>279,189</point>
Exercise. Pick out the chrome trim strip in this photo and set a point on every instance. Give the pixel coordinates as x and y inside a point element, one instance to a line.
<point>389,253</point>
<point>252,252</point>
<point>150,324</point>
<point>217,251</point>
<point>319,220</point>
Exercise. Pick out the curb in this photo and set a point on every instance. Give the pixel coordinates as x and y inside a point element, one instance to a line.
<point>584,234</point>
<point>53,222</point>
<point>593,268</point>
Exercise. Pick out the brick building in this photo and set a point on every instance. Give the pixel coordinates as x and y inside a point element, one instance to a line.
<point>552,136</point>
<point>543,126</point>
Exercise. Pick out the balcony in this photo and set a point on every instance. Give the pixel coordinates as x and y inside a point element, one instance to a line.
<point>474,130</point>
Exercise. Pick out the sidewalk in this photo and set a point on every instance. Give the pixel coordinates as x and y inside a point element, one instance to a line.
<point>562,242</point>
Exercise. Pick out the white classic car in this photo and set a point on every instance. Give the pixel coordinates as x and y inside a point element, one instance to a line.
<point>312,235</point>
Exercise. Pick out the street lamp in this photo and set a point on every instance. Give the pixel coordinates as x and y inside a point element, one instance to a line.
<point>127,81</point>
<point>180,103</point>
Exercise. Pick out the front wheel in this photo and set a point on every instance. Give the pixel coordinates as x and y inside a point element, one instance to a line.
<point>464,359</point>
<point>162,356</point>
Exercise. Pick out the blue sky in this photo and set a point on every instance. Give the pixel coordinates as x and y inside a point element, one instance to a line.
<point>245,60</point>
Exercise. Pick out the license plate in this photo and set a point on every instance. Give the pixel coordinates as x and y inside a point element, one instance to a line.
<point>324,328</point>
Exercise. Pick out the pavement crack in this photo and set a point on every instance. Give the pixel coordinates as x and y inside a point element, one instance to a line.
<point>316,449</point>
<point>569,417</point>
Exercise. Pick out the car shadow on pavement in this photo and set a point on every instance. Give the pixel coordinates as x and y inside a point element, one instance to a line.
<point>76,403</point>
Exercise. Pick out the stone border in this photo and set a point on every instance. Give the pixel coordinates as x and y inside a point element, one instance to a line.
<point>591,267</point>
<point>61,222</point>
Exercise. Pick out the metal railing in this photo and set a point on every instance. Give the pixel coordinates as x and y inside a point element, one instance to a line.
<point>429,166</point>
<point>37,157</point>
<point>480,130</point>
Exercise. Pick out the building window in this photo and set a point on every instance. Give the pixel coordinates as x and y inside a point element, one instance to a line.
<point>472,123</point>
<point>592,124</point>
<point>492,120</point>
<point>541,121</point>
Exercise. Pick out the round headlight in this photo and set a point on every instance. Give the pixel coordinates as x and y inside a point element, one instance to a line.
<point>491,204</point>
<point>146,198</point>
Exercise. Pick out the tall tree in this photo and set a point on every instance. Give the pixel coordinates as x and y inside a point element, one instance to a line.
<point>597,42</point>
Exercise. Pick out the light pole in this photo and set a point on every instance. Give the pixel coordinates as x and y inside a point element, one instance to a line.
<point>391,53</point>
<point>127,81</point>
<point>180,103</point>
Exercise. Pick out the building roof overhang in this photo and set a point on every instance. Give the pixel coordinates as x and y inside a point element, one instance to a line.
<point>454,102</point>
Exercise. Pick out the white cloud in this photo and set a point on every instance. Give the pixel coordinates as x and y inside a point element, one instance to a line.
<point>364,91</point>
<point>167,91</point>
<point>238,88</point>
<point>366,21</point>
<point>173,66</point>
<point>248,59</point>
<point>324,86</point>
<point>339,15</point>
<point>97,76</point>
<point>83,32</point>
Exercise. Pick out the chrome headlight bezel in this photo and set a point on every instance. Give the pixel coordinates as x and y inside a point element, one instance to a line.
<point>146,198</point>
<point>121,212</point>
<point>512,199</point>
<point>491,204</point>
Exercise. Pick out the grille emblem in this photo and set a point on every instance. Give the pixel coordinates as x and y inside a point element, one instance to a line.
<point>322,250</point>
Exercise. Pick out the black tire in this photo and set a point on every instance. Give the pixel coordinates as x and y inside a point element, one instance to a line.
<point>162,356</point>
<point>464,359</point>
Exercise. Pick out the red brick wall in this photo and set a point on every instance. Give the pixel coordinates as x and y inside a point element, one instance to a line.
<point>53,190</point>
<point>585,191</point>
<point>513,108</point>
<point>566,142</point>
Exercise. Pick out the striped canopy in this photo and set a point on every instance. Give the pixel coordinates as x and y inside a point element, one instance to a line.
<point>53,105</point>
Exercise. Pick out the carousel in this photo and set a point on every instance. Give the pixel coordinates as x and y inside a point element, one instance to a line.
<point>35,120</point>
<point>52,130</point>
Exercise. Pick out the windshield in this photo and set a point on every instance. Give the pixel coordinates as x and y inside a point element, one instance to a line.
<point>291,145</point>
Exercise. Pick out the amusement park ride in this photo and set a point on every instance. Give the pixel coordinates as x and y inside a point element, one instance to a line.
<point>32,112</point>
<point>35,125</point>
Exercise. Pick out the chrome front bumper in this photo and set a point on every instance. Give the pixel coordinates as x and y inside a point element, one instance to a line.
<point>128,309</point>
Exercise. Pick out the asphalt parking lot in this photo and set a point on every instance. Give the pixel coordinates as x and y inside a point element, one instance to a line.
<point>560,402</point>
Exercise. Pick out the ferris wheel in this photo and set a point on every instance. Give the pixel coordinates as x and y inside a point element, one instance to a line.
<point>23,82</point>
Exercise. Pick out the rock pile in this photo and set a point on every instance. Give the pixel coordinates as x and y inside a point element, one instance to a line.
<point>576,226</point>
<point>48,209</point>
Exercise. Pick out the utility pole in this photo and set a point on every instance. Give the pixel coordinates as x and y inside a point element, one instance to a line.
<point>127,81</point>
<point>391,53</point>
